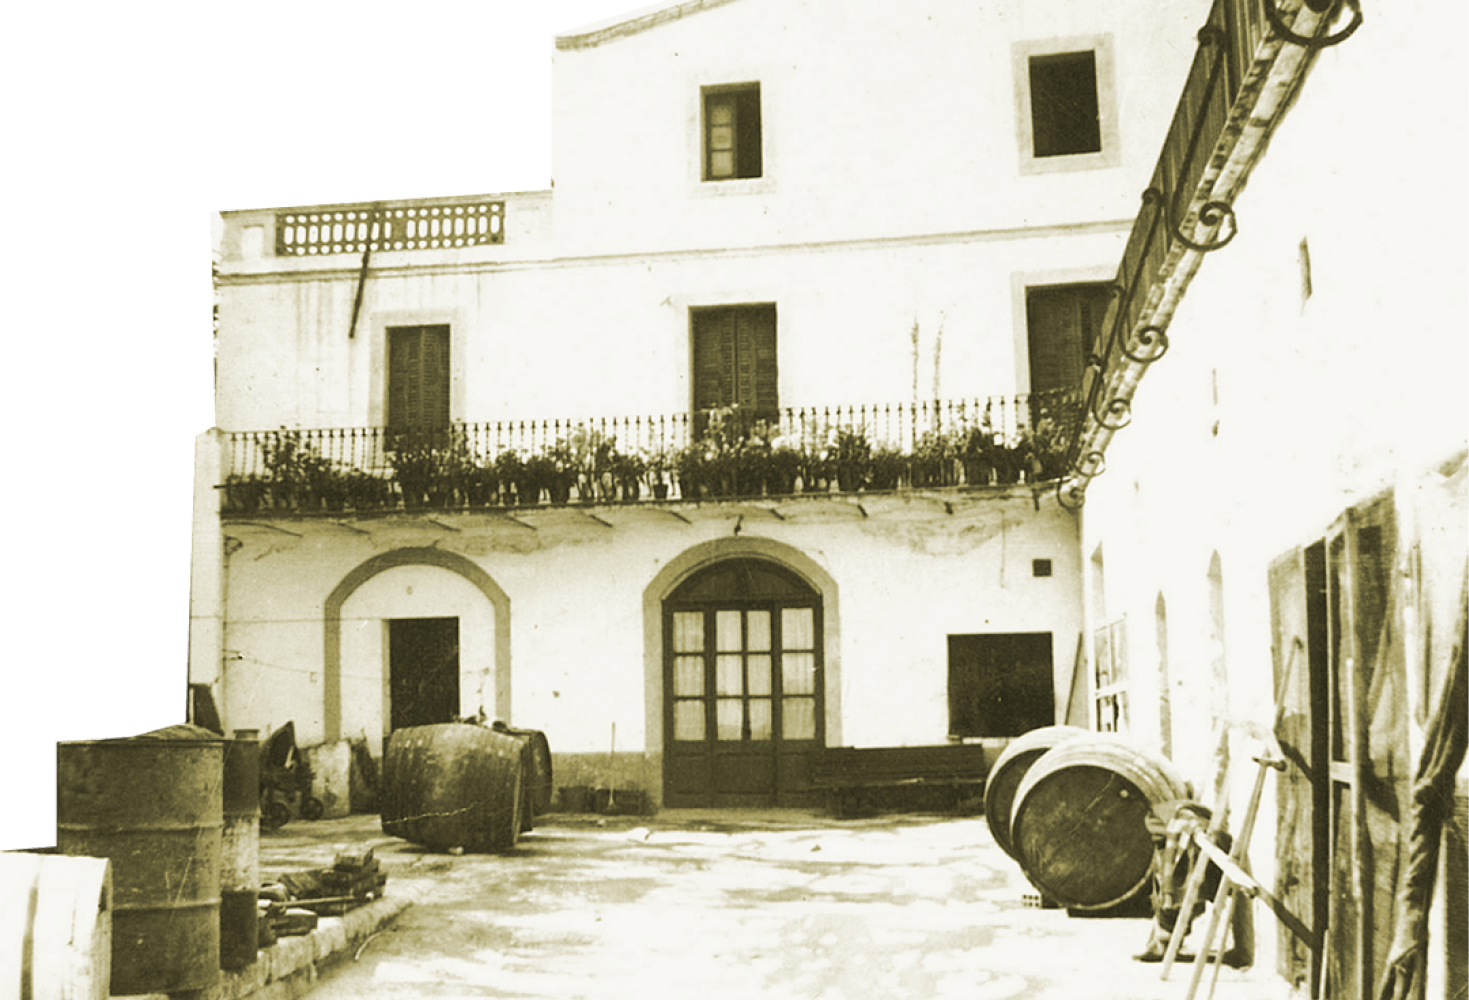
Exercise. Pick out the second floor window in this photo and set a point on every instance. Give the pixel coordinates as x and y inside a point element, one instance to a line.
<point>1065,325</point>
<point>732,132</point>
<point>418,377</point>
<point>734,360</point>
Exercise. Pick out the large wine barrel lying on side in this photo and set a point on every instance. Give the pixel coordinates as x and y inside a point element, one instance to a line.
<point>1079,823</point>
<point>539,784</point>
<point>454,785</point>
<point>1010,769</point>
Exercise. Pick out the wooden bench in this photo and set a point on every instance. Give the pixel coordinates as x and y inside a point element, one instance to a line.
<point>866,779</point>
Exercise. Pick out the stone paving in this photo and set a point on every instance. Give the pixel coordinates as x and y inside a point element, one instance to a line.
<point>715,905</point>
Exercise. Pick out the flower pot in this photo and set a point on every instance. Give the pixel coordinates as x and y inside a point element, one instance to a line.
<point>660,491</point>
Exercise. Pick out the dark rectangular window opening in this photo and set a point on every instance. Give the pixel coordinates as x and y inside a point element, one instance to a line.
<point>735,364</point>
<point>732,148</point>
<point>418,378</point>
<point>1040,567</point>
<point>1001,684</point>
<point>1064,113</point>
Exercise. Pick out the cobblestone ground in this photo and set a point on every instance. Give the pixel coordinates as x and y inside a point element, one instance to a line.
<point>730,905</point>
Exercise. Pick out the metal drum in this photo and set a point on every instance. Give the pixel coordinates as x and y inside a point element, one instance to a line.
<point>1010,769</point>
<point>154,807</point>
<point>1079,823</point>
<point>453,785</point>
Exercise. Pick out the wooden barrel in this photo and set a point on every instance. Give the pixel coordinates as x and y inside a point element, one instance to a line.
<point>453,785</point>
<point>1079,822</point>
<point>154,806</point>
<point>1010,769</point>
<point>55,927</point>
<point>539,781</point>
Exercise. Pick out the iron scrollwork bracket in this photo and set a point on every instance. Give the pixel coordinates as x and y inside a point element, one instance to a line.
<point>1118,414</point>
<point>1328,7</point>
<point>1154,343</point>
<point>1213,214</point>
<point>1070,495</point>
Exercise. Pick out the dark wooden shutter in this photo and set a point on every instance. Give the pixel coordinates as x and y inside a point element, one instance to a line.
<point>418,377</point>
<point>735,359</point>
<point>1065,323</point>
<point>714,358</point>
<point>758,389</point>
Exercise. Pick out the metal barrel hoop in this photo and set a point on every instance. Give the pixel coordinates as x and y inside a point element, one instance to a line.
<point>1154,341</point>
<point>1330,8</point>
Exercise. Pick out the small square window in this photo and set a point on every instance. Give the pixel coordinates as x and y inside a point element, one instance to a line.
<point>732,145</point>
<point>1040,567</point>
<point>1064,111</point>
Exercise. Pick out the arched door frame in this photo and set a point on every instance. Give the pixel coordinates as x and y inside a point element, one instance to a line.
<point>331,686</point>
<point>689,562</point>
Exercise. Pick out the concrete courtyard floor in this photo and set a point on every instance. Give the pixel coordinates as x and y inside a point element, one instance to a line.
<point>711,905</point>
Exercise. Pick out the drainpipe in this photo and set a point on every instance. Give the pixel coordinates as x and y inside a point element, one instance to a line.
<point>1276,74</point>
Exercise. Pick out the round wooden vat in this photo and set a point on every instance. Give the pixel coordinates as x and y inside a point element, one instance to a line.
<point>539,783</point>
<point>154,807</point>
<point>453,785</point>
<point>1010,769</point>
<point>1079,822</point>
<point>55,926</point>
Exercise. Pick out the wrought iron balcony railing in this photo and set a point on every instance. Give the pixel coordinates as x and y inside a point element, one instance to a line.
<point>709,455</point>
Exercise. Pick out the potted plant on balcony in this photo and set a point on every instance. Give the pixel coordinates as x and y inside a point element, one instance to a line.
<point>243,494</point>
<point>853,459</point>
<point>561,472</point>
<point>481,482</point>
<point>627,469</point>
<point>510,469</point>
<point>366,491</point>
<point>784,463</point>
<point>887,467</point>
<point>980,453</point>
<point>537,474</point>
<point>932,461</point>
<point>416,467</point>
<point>660,464</point>
<point>690,466</point>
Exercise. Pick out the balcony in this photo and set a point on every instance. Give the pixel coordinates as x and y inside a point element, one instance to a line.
<point>708,456</point>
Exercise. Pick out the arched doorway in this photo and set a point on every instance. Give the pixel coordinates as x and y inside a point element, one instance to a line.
<point>743,686</point>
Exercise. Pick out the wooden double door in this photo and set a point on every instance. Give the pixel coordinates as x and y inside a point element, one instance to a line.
<point>743,688</point>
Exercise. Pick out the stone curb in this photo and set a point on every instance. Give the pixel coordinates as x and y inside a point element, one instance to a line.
<point>290,968</point>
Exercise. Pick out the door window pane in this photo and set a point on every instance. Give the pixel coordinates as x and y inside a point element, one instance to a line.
<point>759,718</point>
<point>728,638</point>
<point>727,679</point>
<point>729,719</point>
<point>688,631</point>
<point>798,673</point>
<point>688,720</point>
<point>757,674</point>
<point>798,718</point>
<point>688,676</point>
<point>797,628</point>
<point>757,625</point>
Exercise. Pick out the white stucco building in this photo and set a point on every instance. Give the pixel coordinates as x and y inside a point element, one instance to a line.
<point>978,367</point>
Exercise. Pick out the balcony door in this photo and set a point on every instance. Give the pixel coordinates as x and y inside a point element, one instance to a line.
<point>418,378</point>
<point>743,693</point>
<point>734,361</point>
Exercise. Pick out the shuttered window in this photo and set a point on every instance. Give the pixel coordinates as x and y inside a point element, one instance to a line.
<point>732,145</point>
<point>1065,324</point>
<point>735,360</point>
<point>418,377</point>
